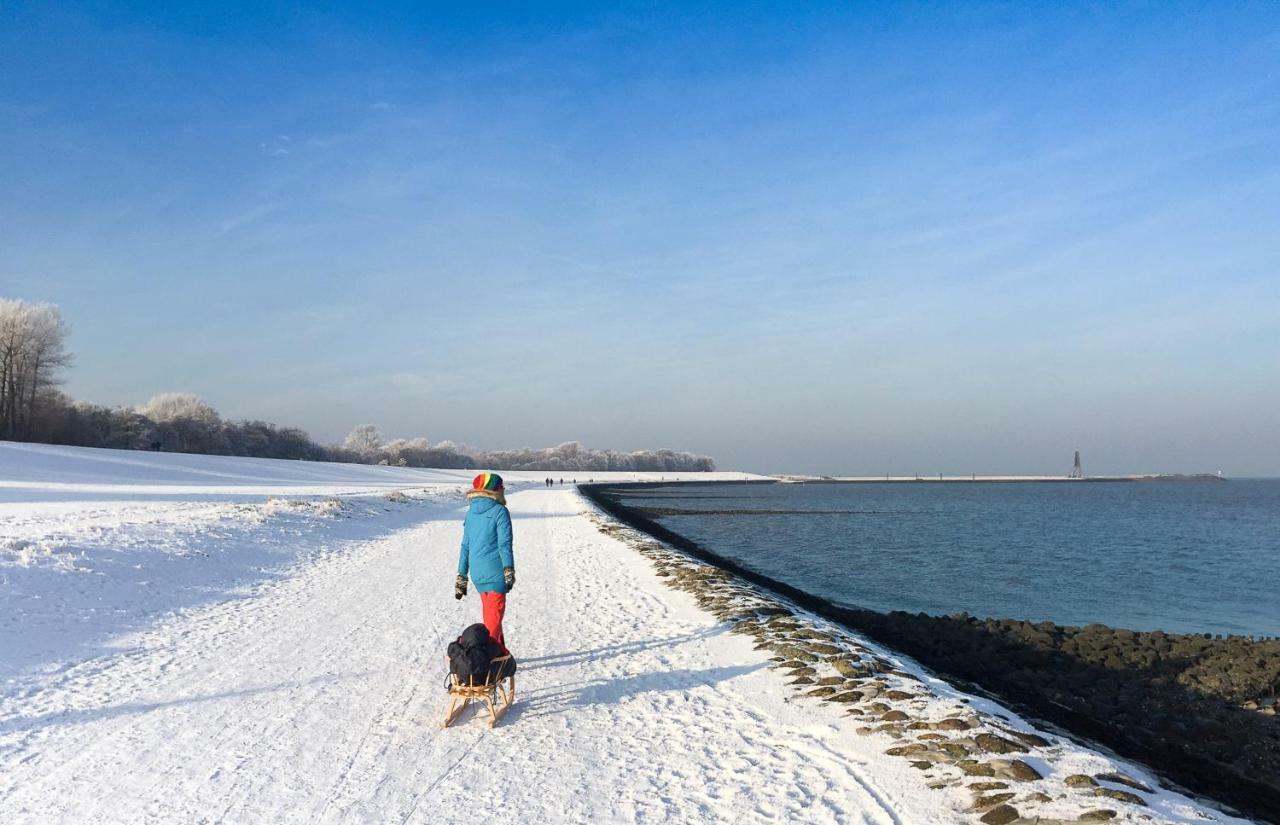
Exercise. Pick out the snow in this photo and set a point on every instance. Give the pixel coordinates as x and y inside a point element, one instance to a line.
<point>177,647</point>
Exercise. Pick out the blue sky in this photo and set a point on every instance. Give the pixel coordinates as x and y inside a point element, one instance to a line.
<point>836,238</point>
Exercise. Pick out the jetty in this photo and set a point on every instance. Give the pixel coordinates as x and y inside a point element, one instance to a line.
<point>1014,479</point>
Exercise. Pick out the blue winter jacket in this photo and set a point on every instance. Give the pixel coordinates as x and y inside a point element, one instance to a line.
<point>486,545</point>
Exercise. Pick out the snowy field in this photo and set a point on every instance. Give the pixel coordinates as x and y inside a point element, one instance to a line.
<point>202,639</point>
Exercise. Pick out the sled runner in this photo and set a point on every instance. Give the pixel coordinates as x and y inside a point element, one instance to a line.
<point>497,691</point>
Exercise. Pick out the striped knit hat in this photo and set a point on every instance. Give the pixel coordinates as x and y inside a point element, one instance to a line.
<point>488,485</point>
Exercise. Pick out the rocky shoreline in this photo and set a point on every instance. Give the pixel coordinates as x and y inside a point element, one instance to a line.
<point>1200,710</point>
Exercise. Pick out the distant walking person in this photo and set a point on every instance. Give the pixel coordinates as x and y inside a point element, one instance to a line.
<point>486,552</point>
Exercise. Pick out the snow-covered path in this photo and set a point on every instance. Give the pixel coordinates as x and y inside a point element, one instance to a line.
<point>316,698</point>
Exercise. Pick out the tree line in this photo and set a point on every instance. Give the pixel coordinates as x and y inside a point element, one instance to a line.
<point>34,354</point>
<point>366,445</point>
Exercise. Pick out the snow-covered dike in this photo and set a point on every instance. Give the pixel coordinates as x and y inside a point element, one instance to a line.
<point>95,543</point>
<point>42,473</point>
<point>211,656</point>
<point>175,647</point>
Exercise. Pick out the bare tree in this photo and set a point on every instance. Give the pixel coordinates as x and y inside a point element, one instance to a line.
<point>33,351</point>
<point>365,441</point>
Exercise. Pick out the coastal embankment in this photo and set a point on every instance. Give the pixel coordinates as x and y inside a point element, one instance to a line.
<point>1199,709</point>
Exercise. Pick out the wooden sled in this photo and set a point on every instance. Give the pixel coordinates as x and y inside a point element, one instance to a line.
<point>497,694</point>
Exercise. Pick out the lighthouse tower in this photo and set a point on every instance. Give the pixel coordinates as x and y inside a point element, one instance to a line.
<point>1076,471</point>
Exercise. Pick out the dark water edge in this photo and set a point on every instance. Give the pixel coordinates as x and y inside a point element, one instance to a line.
<point>1171,701</point>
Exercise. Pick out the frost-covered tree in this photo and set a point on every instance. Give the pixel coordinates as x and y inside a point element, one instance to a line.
<point>449,456</point>
<point>572,455</point>
<point>365,442</point>
<point>33,352</point>
<point>186,423</point>
<point>406,452</point>
<point>170,406</point>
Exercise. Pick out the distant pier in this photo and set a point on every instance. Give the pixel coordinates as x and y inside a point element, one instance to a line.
<point>973,478</point>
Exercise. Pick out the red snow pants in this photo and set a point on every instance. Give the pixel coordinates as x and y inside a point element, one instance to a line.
<point>493,605</point>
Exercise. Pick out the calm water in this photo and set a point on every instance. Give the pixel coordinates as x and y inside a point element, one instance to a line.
<point>1176,556</point>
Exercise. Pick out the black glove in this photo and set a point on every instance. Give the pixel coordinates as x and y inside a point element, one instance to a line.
<point>509,577</point>
<point>460,587</point>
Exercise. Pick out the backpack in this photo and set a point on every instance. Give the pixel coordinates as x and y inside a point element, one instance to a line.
<point>471,658</point>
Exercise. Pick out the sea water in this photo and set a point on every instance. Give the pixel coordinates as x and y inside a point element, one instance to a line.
<point>1187,557</point>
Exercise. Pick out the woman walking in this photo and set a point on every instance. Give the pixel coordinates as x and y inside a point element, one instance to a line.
<point>486,552</point>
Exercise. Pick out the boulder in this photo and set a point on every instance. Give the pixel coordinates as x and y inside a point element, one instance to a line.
<point>997,744</point>
<point>990,801</point>
<point>1015,769</point>
<point>1031,740</point>
<point>793,652</point>
<point>972,767</point>
<point>906,750</point>
<point>848,667</point>
<point>988,786</point>
<point>1000,815</point>
<point>1120,796</point>
<point>951,724</point>
<point>1123,779</point>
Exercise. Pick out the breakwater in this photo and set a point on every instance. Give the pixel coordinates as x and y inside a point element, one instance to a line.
<point>1001,479</point>
<point>1201,710</point>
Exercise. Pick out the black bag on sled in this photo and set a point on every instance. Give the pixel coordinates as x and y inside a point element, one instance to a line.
<point>471,658</point>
